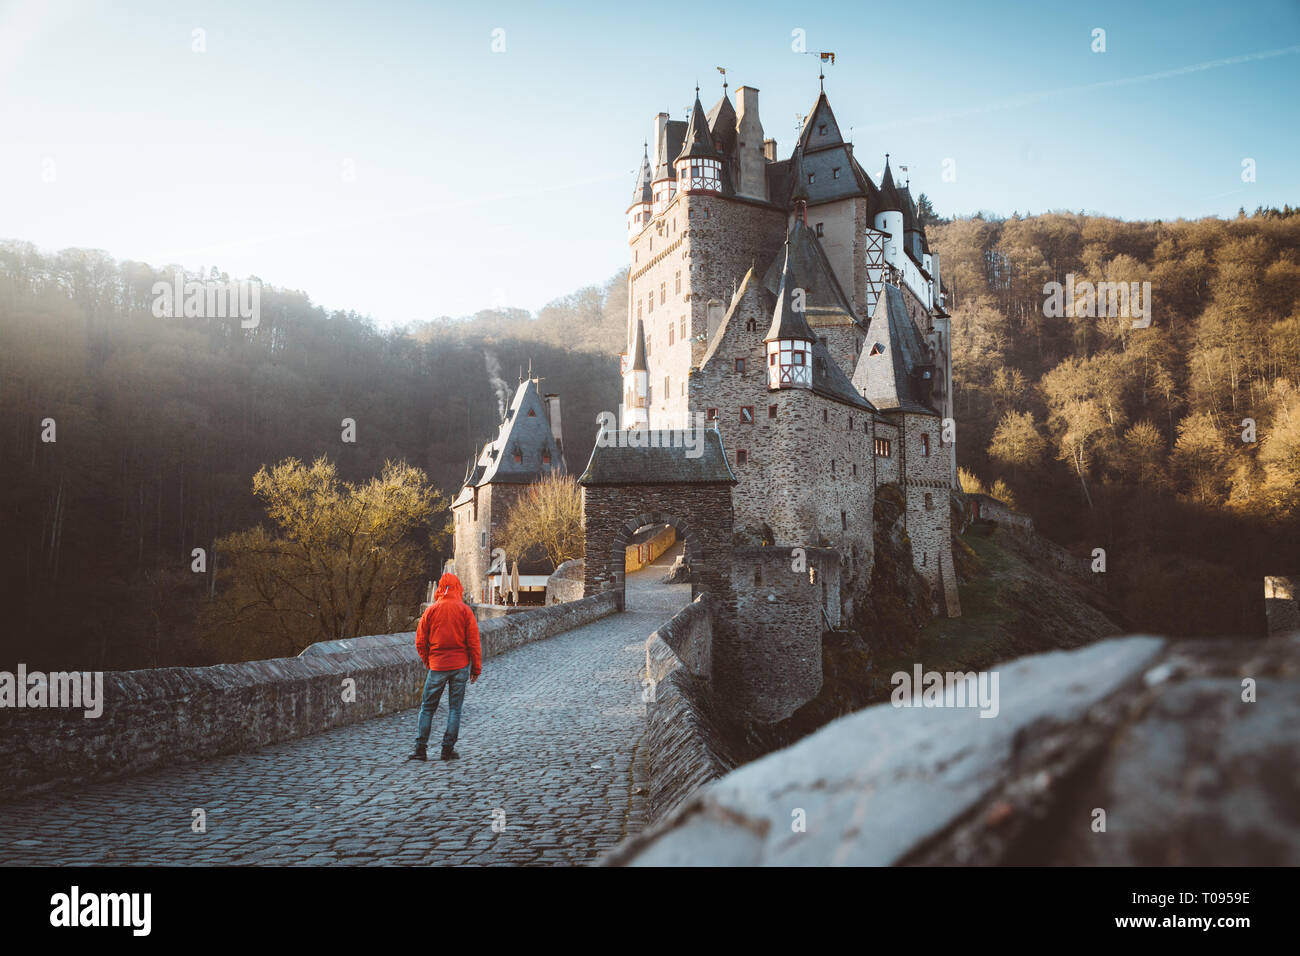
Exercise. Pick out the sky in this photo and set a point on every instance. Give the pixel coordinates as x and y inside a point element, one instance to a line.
<point>414,160</point>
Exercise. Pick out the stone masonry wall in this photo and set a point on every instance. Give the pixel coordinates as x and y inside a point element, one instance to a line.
<point>700,514</point>
<point>173,715</point>
<point>683,746</point>
<point>565,584</point>
<point>926,485</point>
<point>805,466</point>
<point>1281,608</point>
<point>781,615</point>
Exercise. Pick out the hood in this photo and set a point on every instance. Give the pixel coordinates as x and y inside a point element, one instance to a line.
<point>449,589</point>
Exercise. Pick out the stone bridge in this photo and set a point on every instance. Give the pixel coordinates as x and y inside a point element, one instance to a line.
<point>549,774</point>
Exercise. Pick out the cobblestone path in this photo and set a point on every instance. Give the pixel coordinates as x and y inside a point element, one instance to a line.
<point>548,775</point>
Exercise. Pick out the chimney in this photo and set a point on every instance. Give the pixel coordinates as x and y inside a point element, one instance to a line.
<point>751,147</point>
<point>661,125</point>
<point>553,413</point>
<point>769,150</point>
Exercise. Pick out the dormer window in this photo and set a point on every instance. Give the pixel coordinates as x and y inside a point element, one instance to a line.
<point>820,226</point>
<point>532,413</point>
<point>821,129</point>
<point>546,458</point>
<point>812,178</point>
<point>877,349</point>
<point>835,173</point>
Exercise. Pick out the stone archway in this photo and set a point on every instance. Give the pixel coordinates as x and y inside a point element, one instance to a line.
<point>688,543</point>
<point>700,514</point>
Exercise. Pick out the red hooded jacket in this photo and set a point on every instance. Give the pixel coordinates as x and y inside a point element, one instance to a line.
<point>447,637</point>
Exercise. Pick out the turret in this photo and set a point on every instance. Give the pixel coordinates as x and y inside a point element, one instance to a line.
<point>638,213</point>
<point>636,384</point>
<point>699,166</point>
<point>789,339</point>
<point>889,218</point>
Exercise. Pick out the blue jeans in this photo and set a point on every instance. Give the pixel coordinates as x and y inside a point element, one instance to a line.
<point>433,685</point>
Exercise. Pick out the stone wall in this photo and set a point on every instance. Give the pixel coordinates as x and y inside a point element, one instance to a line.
<point>699,513</point>
<point>173,715</point>
<point>927,485</point>
<point>1281,608</point>
<point>982,507</point>
<point>642,553</point>
<point>683,746</point>
<point>809,469</point>
<point>1158,733</point>
<point>565,583</point>
<point>784,604</point>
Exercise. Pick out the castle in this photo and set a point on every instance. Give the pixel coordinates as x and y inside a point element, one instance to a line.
<point>794,307</point>
<point>794,304</point>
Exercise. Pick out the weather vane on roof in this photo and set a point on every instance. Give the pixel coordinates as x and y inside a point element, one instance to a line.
<point>822,57</point>
<point>723,71</point>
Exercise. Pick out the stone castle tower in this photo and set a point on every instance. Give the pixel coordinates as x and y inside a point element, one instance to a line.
<point>795,305</point>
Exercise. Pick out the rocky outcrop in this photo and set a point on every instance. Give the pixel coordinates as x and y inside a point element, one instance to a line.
<point>1130,751</point>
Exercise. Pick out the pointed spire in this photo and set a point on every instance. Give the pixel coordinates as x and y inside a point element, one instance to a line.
<point>799,188</point>
<point>699,139</point>
<point>638,349</point>
<point>787,322</point>
<point>890,201</point>
<point>642,191</point>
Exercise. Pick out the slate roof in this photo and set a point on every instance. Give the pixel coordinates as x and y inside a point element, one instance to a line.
<point>780,178</point>
<point>722,124</point>
<point>670,144</point>
<point>788,322</point>
<point>623,465</point>
<point>527,434</point>
<point>638,350</point>
<point>909,210</point>
<point>890,201</point>
<point>810,137</point>
<point>748,296</point>
<point>813,273</point>
<point>698,141</point>
<point>798,179</point>
<point>642,192</point>
<point>892,378</point>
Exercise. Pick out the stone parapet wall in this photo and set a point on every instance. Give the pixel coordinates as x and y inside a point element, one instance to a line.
<point>173,715</point>
<point>565,583</point>
<point>683,746</point>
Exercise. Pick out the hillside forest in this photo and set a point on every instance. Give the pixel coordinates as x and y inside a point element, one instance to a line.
<point>1130,440</point>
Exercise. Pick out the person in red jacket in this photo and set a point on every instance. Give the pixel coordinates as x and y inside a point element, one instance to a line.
<point>447,642</point>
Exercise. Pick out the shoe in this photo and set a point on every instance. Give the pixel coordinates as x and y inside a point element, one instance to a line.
<point>419,754</point>
<point>449,754</point>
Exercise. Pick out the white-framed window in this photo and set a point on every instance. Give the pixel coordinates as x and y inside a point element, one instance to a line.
<point>696,173</point>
